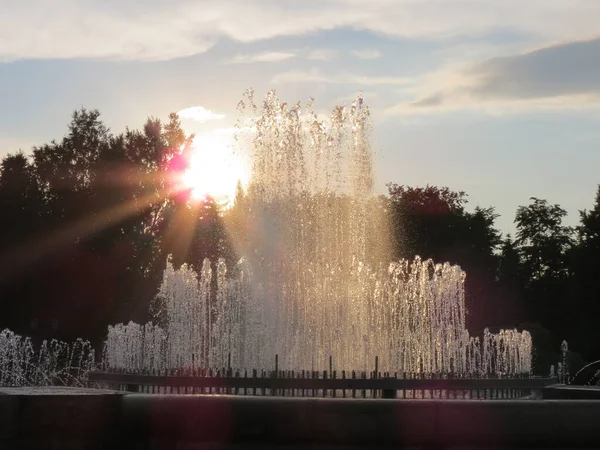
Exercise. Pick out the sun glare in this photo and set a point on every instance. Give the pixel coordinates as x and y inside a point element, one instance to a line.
<point>214,169</point>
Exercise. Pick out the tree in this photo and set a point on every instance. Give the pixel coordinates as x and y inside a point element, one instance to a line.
<point>545,246</point>
<point>511,280</point>
<point>543,241</point>
<point>21,207</point>
<point>425,220</point>
<point>584,289</point>
<point>588,232</point>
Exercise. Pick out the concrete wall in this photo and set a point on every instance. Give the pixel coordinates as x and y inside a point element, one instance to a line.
<point>58,418</point>
<point>97,419</point>
<point>364,422</point>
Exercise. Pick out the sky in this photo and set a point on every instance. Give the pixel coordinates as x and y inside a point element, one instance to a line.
<point>500,99</point>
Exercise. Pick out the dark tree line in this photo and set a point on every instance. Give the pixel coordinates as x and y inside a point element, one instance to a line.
<point>86,224</point>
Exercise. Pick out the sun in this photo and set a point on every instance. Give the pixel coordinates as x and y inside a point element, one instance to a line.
<point>214,169</point>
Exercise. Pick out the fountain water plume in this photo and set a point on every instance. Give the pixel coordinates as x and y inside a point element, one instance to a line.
<point>412,318</point>
<point>314,281</point>
<point>54,363</point>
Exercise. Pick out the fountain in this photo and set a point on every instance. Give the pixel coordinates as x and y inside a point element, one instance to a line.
<point>54,363</point>
<point>314,284</point>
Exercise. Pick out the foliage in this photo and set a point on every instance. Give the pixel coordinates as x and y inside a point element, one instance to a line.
<point>543,240</point>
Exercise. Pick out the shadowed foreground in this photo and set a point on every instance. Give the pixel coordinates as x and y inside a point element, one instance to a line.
<point>96,419</point>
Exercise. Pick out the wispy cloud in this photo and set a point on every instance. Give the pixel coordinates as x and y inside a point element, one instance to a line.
<point>264,57</point>
<point>367,54</point>
<point>322,54</point>
<point>565,76</point>
<point>315,76</point>
<point>199,114</point>
<point>166,29</point>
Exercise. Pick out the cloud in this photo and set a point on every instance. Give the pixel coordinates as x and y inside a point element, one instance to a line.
<point>199,114</point>
<point>104,30</point>
<point>322,54</point>
<point>315,76</point>
<point>367,54</point>
<point>261,57</point>
<point>565,76</point>
<point>167,29</point>
<point>568,69</point>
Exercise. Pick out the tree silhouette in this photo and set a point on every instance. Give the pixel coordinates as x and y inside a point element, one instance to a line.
<point>545,245</point>
<point>543,240</point>
<point>584,308</point>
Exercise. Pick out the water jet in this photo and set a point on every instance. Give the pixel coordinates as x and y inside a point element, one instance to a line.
<point>315,283</point>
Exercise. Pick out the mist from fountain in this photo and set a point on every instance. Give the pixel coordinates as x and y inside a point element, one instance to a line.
<point>314,282</point>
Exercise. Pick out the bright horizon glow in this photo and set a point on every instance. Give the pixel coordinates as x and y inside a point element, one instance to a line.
<point>215,169</point>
